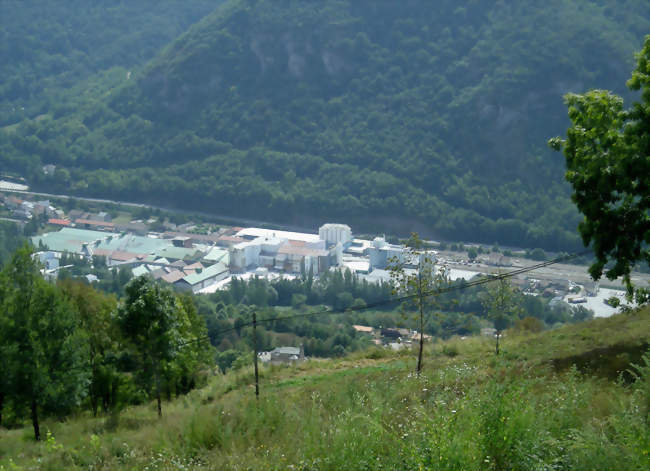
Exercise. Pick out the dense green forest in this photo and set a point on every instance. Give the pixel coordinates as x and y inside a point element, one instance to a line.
<point>47,47</point>
<point>386,115</point>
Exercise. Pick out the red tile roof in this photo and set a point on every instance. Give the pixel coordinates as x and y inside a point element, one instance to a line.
<point>59,222</point>
<point>123,256</point>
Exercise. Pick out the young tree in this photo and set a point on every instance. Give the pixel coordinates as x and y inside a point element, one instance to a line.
<point>419,285</point>
<point>149,318</point>
<point>607,152</point>
<point>502,304</point>
<point>44,350</point>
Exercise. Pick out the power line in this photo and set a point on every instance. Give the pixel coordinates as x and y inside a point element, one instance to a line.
<point>399,299</point>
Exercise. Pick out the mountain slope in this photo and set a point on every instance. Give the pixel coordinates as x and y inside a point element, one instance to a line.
<point>47,47</point>
<point>387,115</point>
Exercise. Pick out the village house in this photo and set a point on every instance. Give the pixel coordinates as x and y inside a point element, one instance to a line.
<point>284,355</point>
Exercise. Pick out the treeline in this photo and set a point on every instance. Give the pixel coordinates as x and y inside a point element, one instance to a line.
<point>66,347</point>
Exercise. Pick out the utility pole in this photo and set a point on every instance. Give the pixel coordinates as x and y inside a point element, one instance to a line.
<point>257,378</point>
<point>421,306</point>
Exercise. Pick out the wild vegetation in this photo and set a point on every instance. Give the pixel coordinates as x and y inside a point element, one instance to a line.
<point>64,349</point>
<point>469,409</point>
<point>391,115</point>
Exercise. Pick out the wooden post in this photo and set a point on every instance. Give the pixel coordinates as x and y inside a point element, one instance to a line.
<point>257,378</point>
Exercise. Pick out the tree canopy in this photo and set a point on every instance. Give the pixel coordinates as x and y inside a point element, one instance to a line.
<point>607,152</point>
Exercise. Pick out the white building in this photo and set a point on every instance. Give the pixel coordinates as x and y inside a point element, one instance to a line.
<point>335,233</point>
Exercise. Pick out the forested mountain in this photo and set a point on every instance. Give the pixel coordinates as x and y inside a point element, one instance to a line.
<point>387,115</point>
<point>46,47</point>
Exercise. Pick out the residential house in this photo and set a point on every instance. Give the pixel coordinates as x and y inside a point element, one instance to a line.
<point>103,216</point>
<point>287,355</point>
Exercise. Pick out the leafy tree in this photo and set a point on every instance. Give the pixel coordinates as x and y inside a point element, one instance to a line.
<point>607,152</point>
<point>149,318</point>
<point>472,253</point>
<point>502,304</point>
<point>44,350</point>
<point>419,286</point>
<point>96,315</point>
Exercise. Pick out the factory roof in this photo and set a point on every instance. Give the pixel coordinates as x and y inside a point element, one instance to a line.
<point>254,232</point>
<point>207,273</point>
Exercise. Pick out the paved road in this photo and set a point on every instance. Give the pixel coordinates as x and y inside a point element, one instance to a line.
<point>230,219</point>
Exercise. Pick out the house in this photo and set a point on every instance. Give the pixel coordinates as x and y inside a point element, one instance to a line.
<point>138,228</point>
<point>182,241</point>
<point>103,216</point>
<point>12,202</point>
<point>498,260</point>
<point>286,355</point>
<point>78,214</point>
<point>49,169</point>
<point>49,259</point>
<point>41,208</point>
<point>390,333</point>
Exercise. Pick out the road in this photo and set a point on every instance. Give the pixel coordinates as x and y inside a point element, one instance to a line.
<point>230,219</point>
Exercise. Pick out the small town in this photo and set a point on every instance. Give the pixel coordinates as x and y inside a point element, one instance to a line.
<point>190,257</point>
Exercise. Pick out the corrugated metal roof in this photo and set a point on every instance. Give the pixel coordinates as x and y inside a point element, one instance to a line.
<point>217,255</point>
<point>209,272</point>
<point>176,253</point>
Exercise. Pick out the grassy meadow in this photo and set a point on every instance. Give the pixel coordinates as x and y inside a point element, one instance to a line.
<point>562,399</point>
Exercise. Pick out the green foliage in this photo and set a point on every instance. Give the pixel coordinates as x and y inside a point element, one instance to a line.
<point>503,305</point>
<point>43,348</point>
<point>50,47</point>
<point>421,286</point>
<point>369,411</point>
<point>10,240</point>
<point>299,110</point>
<point>607,154</point>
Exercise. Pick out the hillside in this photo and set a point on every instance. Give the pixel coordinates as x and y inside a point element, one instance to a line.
<point>387,115</point>
<point>48,47</point>
<point>527,409</point>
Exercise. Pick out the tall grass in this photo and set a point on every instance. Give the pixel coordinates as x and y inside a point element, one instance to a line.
<point>468,410</point>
